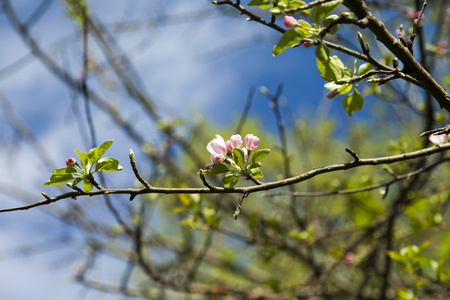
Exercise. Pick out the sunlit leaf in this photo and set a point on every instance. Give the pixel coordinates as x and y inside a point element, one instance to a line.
<point>239,157</point>
<point>59,178</point>
<point>258,155</point>
<point>230,180</point>
<point>353,102</point>
<point>216,169</point>
<point>108,164</point>
<point>288,39</point>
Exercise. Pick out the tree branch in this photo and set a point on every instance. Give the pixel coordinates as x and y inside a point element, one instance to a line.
<point>243,190</point>
<point>411,65</point>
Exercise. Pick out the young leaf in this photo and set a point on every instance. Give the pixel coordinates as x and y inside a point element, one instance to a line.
<point>331,67</point>
<point>259,154</point>
<point>342,88</point>
<point>59,178</point>
<point>230,180</point>
<point>322,11</point>
<point>87,185</point>
<point>330,19</point>
<point>239,157</point>
<point>353,102</point>
<point>256,172</point>
<point>396,256</point>
<point>97,152</point>
<point>288,39</point>
<point>261,3</point>
<point>254,165</point>
<point>364,68</point>
<point>63,171</point>
<point>76,181</point>
<point>216,169</point>
<point>83,157</point>
<point>108,164</point>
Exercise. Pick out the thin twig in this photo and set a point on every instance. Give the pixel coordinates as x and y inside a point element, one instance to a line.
<point>239,190</point>
<point>136,172</point>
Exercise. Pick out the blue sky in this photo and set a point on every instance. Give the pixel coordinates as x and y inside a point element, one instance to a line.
<point>191,66</point>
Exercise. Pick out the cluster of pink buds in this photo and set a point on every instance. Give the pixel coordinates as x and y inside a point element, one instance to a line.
<point>236,158</point>
<point>221,150</point>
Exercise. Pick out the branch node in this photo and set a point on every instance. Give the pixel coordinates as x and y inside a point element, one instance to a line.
<point>46,196</point>
<point>353,154</point>
<point>205,182</point>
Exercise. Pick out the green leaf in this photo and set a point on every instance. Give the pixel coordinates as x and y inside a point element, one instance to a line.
<point>239,157</point>
<point>396,256</point>
<point>258,155</point>
<point>364,68</point>
<point>65,170</point>
<point>216,169</point>
<point>254,165</point>
<point>330,19</point>
<point>230,180</point>
<point>331,67</point>
<point>97,152</point>
<point>59,178</point>
<point>298,3</point>
<point>342,88</point>
<point>87,185</point>
<point>108,164</point>
<point>256,172</point>
<point>83,158</point>
<point>404,294</point>
<point>76,181</point>
<point>261,3</point>
<point>322,52</point>
<point>288,39</point>
<point>353,102</point>
<point>322,11</point>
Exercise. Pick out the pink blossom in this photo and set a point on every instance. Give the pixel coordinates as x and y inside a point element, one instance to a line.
<point>217,158</point>
<point>290,22</point>
<point>349,257</point>
<point>251,142</point>
<point>217,145</point>
<point>218,149</point>
<point>207,166</point>
<point>438,139</point>
<point>412,14</point>
<point>236,141</point>
<point>70,162</point>
<point>229,146</point>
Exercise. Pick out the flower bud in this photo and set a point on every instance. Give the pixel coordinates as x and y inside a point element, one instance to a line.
<point>307,43</point>
<point>70,162</point>
<point>236,141</point>
<point>290,22</point>
<point>251,142</point>
<point>332,94</point>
